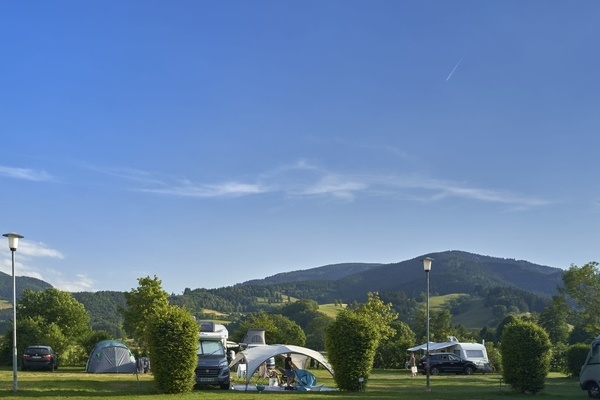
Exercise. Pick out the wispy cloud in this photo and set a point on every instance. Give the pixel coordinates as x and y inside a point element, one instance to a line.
<point>444,189</point>
<point>304,178</point>
<point>31,249</point>
<point>335,186</point>
<point>226,189</point>
<point>25,174</point>
<point>80,283</point>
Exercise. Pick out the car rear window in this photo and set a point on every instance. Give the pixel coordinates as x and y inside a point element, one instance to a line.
<point>32,351</point>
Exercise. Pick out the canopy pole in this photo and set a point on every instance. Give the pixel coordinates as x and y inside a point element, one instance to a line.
<point>247,379</point>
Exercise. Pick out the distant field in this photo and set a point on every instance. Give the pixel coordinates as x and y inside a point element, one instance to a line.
<point>331,309</point>
<point>436,302</point>
<point>5,304</point>
<point>476,317</point>
<point>214,312</point>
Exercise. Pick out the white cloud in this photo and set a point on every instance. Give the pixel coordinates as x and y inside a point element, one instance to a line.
<point>443,189</point>
<point>25,174</point>
<point>305,178</point>
<point>335,186</point>
<point>81,283</point>
<point>226,189</point>
<point>38,249</point>
<point>26,261</point>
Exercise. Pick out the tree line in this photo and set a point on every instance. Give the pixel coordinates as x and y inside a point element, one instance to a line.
<point>373,329</point>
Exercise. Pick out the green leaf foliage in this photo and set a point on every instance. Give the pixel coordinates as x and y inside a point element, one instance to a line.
<point>576,355</point>
<point>526,353</point>
<point>58,307</point>
<point>278,328</point>
<point>351,343</point>
<point>391,352</point>
<point>143,303</point>
<point>172,337</point>
<point>582,287</point>
<point>103,307</point>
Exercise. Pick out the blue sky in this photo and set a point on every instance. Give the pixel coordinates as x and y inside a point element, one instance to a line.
<point>209,143</point>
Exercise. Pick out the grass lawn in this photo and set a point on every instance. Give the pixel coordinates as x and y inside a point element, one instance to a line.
<point>73,383</point>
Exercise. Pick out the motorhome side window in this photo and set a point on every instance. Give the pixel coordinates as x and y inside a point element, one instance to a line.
<point>474,353</point>
<point>595,355</point>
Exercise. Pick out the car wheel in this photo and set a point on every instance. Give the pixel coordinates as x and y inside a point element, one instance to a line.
<point>469,370</point>
<point>225,386</point>
<point>593,391</point>
<point>435,371</point>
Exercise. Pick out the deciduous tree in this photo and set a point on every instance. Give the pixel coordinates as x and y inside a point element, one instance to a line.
<point>52,317</point>
<point>148,300</point>
<point>581,287</point>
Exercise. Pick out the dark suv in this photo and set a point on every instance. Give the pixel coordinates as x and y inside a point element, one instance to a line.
<point>39,357</point>
<point>446,363</point>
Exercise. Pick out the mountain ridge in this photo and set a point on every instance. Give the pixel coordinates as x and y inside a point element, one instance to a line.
<point>449,274</point>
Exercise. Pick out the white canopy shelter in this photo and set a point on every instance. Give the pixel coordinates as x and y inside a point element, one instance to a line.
<point>433,346</point>
<point>253,357</point>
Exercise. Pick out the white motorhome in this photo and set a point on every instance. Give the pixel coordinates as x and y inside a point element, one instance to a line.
<point>589,376</point>
<point>474,352</point>
<point>213,367</point>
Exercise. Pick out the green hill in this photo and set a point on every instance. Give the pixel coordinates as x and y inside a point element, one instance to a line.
<point>471,286</point>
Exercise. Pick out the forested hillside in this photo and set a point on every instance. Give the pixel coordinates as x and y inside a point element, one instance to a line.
<point>22,283</point>
<point>6,293</point>
<point>497,285</point>
<point>103,308</point>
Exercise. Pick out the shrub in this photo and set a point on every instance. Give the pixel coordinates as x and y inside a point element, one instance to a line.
<point>173,342</point>
<point>576,355</point>
<point>494,356</point>
<point>351,342</point>
<point>558,363</point>
<point>526,353</point>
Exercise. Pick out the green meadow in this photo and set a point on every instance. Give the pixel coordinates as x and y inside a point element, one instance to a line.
<point>73,383</point>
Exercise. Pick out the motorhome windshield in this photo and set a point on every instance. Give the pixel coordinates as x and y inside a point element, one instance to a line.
<point>211,348</point>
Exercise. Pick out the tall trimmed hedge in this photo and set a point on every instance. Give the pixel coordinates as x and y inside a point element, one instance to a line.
<point>576,355</point>
<point>351,343</point>
<point>173,344</point>
<point>526,353</point>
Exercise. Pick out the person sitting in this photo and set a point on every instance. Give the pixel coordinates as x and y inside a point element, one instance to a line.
<point>273,377</point>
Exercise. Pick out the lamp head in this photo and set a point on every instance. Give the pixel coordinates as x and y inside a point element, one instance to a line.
<point>427,264</point>
<point>13,240</point>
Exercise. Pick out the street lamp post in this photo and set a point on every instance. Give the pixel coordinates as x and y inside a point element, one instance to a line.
<point>427,267</point>
<point>13,243</point>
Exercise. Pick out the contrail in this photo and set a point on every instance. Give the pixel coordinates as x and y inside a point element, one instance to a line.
<point>456,66</point>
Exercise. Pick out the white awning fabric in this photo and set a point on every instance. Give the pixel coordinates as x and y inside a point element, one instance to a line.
<point>255,356</point>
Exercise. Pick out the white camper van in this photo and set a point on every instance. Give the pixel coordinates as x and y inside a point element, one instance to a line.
<point>213,368</point>
<point>589,376</point>
<point>474,352</point>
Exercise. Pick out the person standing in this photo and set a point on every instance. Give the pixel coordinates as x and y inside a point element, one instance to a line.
<point>289,370</point>
<point>412,363</point>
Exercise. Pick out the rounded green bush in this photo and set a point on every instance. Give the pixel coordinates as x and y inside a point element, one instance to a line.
<point>526,353</point>
<point>173,344</point>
